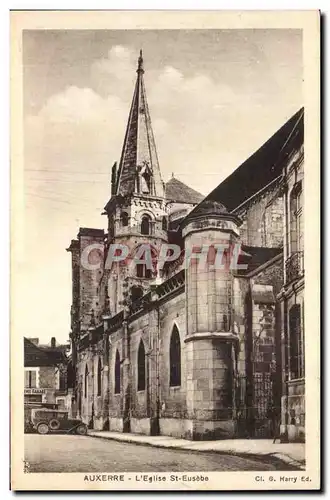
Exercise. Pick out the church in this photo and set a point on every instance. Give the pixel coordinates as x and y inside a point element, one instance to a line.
<point>198,352</point>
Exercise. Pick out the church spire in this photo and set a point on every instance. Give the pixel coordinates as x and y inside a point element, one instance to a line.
<point>139,171</point>
<point>140,63</point>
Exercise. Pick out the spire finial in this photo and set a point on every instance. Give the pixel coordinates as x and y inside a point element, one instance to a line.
<point>140,63</point>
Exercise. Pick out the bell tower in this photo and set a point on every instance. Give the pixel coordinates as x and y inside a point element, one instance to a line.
<point>136,210</point>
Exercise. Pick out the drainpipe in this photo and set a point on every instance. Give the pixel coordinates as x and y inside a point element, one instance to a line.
<point>126,369</point>
<point>285,437</point>
<point>153,385</point>
<point>158,369</point>
<point>127,365</point>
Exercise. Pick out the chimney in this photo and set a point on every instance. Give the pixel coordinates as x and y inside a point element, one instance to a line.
<point>53,342</point>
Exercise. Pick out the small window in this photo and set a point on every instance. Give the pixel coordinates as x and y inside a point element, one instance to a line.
<point>146,225</point>
<point>124,219</point>
<point>164,224</point>
<point>99,378</point>
<point>146,183</point>
<point>142,271</point>
<point>141,367</point>
<point>296,226</point>
<point>136,293</point>
<point>175,358</point>
<point>61,403</point>
<point>30,379</point>
<point>117,373</point>
<point>63,380</point>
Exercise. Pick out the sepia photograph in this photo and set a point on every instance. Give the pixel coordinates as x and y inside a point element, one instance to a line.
<point>165,303</point>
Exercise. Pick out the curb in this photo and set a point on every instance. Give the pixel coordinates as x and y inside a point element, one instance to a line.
<point>277,457</point>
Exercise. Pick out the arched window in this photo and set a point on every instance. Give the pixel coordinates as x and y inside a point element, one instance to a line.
<point>164,224</point>
<point>146,225</point>
<point>175,358</point>
<point>86,381</point>
<point>99,378</point>
<point>124,219</point>
<point>117,373</point>
<point>136,293</point>
<point>141,367</point>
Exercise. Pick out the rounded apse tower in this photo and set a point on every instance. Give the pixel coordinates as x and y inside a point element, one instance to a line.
<point>211,238</point>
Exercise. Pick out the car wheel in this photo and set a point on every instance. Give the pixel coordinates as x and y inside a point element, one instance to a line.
<point>81,430</point>
<point>43,429</point>
<point>54,424</point>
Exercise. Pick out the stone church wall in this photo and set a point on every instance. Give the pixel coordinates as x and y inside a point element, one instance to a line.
<point>172,399</point>
<point>262,219</point>
<point>140,400</point>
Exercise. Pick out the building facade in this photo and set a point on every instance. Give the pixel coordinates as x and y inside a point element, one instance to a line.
<point>194,348</point>
<point>46,373</point>
<point>291,296</point>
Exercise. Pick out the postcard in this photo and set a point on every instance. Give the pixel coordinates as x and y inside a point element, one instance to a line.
<point>165,250</point>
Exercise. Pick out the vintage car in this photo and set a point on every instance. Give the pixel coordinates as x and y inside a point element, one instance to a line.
<point>46,420</point>
<point>28,407</point>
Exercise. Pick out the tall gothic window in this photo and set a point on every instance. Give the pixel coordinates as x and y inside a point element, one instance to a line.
<point>124,219</point>
<point>117,373</point>
<point>146,225</point>
<point>296,346</point>
<point>175,358</point>
<point>86,381</point>
<point>99,378</point>
<point>296,220</point>
<point>141,367</point>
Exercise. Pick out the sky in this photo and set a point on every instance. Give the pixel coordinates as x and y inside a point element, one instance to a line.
<point>214,97</point>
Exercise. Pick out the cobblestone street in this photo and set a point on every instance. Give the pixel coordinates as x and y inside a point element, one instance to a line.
<point>66,453</point>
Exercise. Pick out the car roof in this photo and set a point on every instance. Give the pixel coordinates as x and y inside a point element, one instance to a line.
<point>49,410</point>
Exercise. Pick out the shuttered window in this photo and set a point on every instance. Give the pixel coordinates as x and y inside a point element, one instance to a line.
<point>30,380</point>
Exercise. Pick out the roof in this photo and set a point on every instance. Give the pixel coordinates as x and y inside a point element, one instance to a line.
<point>176,190</point>
<point>43,355</point>
<point>256,256</point>
<point>264,166</point>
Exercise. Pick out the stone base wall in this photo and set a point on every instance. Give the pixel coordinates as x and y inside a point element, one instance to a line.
<point>98,424</point>
<point>198,430</point>
<point>172,427</point>
<point>140,426</point>
<point>116,424</point>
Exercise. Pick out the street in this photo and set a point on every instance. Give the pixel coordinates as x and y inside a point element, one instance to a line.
<point>68,453</point>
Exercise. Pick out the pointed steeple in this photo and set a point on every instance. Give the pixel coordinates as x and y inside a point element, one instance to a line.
<point>139,171</point>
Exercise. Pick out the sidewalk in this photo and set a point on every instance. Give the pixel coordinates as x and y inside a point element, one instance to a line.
<point>292,454</point>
